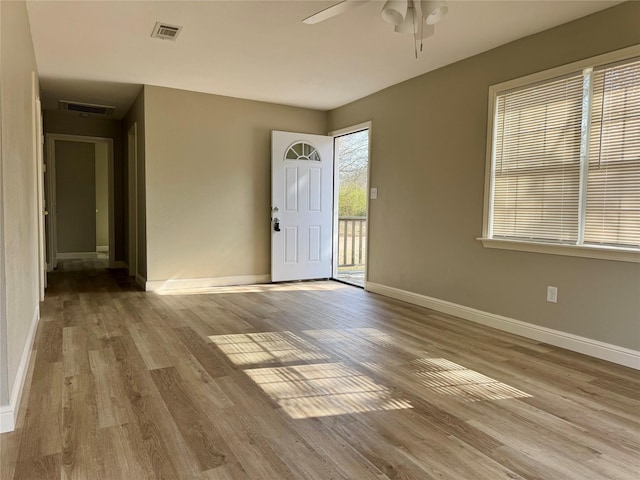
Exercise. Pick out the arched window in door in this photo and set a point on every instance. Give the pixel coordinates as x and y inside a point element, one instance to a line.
<point>302,151</point>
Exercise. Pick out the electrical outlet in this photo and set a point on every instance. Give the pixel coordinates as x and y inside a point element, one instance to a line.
<point>374,193</point>
<point>552,294</point>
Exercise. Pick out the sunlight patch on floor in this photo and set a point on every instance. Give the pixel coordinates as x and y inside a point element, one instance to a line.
<point>269,347</point>
<point>323,389</point>
<point>448,378</point>
<point>326,389</point>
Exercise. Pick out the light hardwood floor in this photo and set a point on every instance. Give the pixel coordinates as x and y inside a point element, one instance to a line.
<point>314,380</point>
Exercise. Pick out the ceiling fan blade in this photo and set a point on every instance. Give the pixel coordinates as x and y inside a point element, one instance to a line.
<point>332,11</point>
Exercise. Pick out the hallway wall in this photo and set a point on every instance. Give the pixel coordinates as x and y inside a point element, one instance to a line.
<point>19,295</point>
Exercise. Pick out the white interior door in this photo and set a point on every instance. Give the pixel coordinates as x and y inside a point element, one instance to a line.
<point>301,206</point>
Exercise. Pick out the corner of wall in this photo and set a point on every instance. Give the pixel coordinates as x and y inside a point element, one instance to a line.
<point>4,373</point>
<point>4,386</point>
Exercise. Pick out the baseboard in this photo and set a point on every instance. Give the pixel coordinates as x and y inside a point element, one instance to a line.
<point>102,248</point>
<point>76,255</point>
<point>182,283</point>
<point>594,348</point>
<point>141,281</point>
<point>7,420</point>
<point>9,413</point>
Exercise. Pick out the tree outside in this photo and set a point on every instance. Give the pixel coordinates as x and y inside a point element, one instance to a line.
<point>353,157</point>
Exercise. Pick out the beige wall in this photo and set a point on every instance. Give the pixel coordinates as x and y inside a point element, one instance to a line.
<point>136,115</point>
<point>208,181</point>
<point>428,163</point>
<point>75,196</point>
<point>102,194</point>
<point>19,230</point>
<point>72,124</point>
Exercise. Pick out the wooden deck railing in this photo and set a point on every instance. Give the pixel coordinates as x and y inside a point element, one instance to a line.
<point>352,241</point>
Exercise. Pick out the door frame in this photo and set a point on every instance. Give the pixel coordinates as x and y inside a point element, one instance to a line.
<point>132,169</point>
<point>52,245</point>
<point>38,160</point>
<point>339,133</point>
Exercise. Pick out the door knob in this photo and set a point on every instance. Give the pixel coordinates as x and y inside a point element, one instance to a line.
<point>276,224</point>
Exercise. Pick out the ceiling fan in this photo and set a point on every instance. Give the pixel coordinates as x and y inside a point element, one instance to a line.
<point>415,17</point>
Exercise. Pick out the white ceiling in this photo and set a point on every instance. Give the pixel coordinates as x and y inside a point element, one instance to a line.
<point>102,51</point>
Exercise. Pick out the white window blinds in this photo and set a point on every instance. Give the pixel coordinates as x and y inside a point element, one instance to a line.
<point>613,187</point>
<point>566,159</point>
<point>537,161</point>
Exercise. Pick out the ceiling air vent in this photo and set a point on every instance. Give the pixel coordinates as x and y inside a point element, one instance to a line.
<point>87,109</point>
<point>166,31</point>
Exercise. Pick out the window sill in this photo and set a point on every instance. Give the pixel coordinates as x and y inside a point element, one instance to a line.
<point>588,251</point>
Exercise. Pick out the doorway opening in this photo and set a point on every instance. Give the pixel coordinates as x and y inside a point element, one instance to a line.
<point>80,191</point>
<point>132,171</point>
<point>351,182</point>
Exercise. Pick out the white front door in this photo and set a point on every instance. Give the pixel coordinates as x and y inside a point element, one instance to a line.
<point>301,206</point>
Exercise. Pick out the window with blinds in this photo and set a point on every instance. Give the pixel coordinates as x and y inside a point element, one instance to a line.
<point>565,159</point>
<point>613,184</point>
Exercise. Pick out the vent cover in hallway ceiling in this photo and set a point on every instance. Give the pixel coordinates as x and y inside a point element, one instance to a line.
<point>87,109</point>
